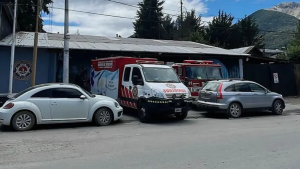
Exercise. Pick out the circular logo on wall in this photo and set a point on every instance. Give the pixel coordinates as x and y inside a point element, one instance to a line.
<point>170,85</point>
<point>135,92</point>
<point>22,70</point>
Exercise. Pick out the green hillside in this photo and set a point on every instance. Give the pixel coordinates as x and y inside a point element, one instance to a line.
<point>278,27</point>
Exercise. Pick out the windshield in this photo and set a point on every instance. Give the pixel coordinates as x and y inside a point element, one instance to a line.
<point>14,96</point>
<point>214,73</point>
<point>197,72</point>
<point>163,75</point>
<point>211,86</point>
<point>87,92</point>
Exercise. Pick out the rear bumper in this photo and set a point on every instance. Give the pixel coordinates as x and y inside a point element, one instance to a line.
<point>5,117</point>
<point>168,106</point>
<point>211,105</point>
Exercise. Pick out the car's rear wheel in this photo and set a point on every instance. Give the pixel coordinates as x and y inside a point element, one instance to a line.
<point>103,117</point>
<point>277,108</point>
<point>23,121</point>
<point>234,110</point>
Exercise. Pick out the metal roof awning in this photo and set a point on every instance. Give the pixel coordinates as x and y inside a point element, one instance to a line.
<point>86,42</point>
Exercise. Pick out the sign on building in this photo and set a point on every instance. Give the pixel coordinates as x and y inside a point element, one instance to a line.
<point>276,79</point>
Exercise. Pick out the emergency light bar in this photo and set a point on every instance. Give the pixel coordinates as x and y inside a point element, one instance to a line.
<point>150,62</point>
<point>198,61</point>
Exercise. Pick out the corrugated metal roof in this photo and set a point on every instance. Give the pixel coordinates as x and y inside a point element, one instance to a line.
<point>243,50</point>
<point>55,41</point>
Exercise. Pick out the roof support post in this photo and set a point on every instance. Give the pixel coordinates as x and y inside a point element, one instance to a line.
<point>12,57</point>
<point>241,67</point>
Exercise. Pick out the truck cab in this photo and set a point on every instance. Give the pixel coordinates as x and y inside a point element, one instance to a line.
<point>195,73</point>
<point>143,84</point>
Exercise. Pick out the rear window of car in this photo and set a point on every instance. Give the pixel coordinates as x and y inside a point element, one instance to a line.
<point>211,86</point>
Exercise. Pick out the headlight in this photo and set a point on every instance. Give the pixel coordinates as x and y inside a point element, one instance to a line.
<point>117,104</point>
<point>157,93</point>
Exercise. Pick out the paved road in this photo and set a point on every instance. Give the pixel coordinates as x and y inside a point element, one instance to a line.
<point>262,141</point>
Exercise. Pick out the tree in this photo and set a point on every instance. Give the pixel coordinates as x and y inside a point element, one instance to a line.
<point>167,28</point>
<point>219,30</point>
<point>293,50</point>
<point>148,24</point>
<point>249,33</point>
<point>197,37</point>
<point>26,14</point>
<point>191,23</point>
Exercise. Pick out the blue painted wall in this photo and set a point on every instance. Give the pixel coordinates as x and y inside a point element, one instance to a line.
<point>46,67</point>
<point>230,67</point>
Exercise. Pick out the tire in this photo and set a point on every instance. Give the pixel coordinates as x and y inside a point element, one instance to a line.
<point>234,110</point>
<point>23,121</point>
<point>144,115</point>
<point>277,107</point>
<point>103,117</point>
<point>181,116</point>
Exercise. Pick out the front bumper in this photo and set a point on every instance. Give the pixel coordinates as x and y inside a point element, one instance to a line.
<point>168,106</point>
<point>211,105</point>
<point>118,113</point>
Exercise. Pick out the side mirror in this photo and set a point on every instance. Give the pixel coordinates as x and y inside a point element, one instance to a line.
<point>136,80</point>
<point>82,97</point>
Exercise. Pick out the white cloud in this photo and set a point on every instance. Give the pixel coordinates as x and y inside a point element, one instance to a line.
<point>90,24</point>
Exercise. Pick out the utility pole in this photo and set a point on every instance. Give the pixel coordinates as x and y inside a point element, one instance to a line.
<point>13,45</point>
<point>66,44</point>
<point>181,18</point>
<point>36,38</point>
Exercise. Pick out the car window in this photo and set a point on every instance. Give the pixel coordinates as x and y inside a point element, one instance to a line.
<point>256,88</point>
<point>230,88</point>
<point>136,71</point>
<point>66,93</point>
<point>211,86</point>
<point>43,94</point>
<point>127,74</point>
<point>242,87</point>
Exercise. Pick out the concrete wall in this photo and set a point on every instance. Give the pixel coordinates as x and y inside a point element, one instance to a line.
<point>46,67</point>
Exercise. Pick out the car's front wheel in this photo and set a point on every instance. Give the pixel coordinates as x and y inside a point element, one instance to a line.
<point>181,116</point>
<point>144,115</point>
<point>103,117</point>
<point>234,110</point>
<point>277,108</point>
<point>23,121</point>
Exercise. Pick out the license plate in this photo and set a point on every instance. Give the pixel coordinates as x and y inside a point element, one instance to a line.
<point>177,110</point>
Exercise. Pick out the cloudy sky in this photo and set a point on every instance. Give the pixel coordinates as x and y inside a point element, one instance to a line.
<point>94,23</point>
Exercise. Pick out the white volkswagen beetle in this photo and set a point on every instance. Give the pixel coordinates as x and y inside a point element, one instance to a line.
<point>58,103</point>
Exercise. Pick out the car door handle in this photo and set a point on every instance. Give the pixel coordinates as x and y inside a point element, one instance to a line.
<point>238,94</point>
<point>254,94</point>
<point>53,103</point>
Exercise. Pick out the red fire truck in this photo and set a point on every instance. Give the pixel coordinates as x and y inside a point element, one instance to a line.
<point>195,73</point>
<point>144,84</point>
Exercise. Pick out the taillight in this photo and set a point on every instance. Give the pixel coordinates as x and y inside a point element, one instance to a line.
<point>219,94</point>
<point>8,106</point>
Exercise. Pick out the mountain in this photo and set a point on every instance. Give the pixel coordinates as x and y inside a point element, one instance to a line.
<point>290,8</point>
<point>278,28</point>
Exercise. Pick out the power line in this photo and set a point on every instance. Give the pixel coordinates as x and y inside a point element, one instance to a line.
<point>134,6</point>
<point>132,18</point>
